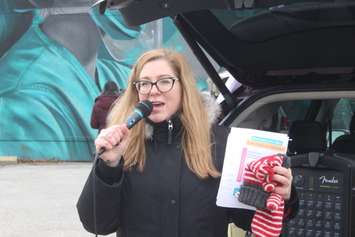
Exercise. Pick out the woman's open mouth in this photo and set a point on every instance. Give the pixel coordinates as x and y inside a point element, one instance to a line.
<point>157,105</point>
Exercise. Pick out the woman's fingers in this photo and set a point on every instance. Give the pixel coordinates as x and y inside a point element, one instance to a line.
<point>283,177</point>
<point>283,192</point>
<point>103,143</point>
<point>281,180</point>
<point>111,137</point>
<point>111,141</point>
<point>283,171</point>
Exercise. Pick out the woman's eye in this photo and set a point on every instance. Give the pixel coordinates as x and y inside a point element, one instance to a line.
<point>165,81</point>
<point>144,83</point>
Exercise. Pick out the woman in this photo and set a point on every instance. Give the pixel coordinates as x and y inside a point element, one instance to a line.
<point>103,104</point>
<point>161,177</point>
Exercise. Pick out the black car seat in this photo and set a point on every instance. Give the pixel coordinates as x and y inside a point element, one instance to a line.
<point>306,137</point>
<point>345,143</point>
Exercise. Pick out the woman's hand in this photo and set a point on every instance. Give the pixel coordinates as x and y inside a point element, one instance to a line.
<point>283,177</point>
<point>113,141</point>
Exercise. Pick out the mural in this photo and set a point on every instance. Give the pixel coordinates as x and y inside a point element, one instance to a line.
<point>54,66</point>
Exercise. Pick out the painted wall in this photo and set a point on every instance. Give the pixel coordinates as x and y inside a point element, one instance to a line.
<point>54,66</point>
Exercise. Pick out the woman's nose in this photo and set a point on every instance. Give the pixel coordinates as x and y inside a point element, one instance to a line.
<point>154,90</point>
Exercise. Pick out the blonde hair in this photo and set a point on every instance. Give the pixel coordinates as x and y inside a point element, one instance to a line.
<point>196,136</point>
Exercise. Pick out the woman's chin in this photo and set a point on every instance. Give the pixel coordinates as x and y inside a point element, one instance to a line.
<point>157,118</point>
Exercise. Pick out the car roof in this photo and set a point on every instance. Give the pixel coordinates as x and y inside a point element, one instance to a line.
<point>262,44</point>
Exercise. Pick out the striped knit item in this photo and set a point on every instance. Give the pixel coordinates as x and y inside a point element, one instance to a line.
<point>266,222</point>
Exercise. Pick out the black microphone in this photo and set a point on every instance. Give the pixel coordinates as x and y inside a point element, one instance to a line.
<point>142,110</point>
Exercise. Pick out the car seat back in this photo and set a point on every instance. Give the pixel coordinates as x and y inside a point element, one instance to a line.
<point>345,143</point>
<point>306,136</point>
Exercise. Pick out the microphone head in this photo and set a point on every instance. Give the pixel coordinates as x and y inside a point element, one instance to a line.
<point>145,107</point>
<point>142,110</point>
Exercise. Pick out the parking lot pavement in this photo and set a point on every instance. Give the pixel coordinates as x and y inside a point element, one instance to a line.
<point>39,199</point>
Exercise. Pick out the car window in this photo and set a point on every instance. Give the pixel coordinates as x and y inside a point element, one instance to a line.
<point>277,117</point>
<point>334,115</point>
<point>343,112</point>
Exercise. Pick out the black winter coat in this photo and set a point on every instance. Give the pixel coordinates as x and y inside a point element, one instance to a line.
<point>165,200</point>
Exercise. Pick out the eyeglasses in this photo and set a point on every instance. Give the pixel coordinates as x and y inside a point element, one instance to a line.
<point>163,85</point>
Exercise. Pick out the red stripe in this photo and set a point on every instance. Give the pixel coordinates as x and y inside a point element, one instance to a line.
<point>267,226</point>
<point>275,214</point>
<point>275,222</point>
<point>266,223</point>
<point>262,233</point>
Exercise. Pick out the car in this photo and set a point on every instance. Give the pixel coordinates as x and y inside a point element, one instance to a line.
<point>292,59</point>
<point>290,69</point>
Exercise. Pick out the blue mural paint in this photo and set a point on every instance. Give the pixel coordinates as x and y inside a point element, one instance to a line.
<point>46,95</point>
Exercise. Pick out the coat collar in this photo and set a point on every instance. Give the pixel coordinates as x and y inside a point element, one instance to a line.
<point>167,131</point>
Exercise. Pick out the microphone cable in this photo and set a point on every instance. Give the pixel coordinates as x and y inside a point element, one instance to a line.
<point>96,158</point>
<point>93,173</point>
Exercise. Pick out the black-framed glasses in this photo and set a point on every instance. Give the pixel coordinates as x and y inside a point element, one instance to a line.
<point>163,85</point>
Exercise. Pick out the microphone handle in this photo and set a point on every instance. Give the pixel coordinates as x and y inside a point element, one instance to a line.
<point>134,118</point>
<point>101,151</point>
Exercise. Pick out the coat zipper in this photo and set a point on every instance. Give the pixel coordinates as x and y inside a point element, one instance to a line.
<point>170,131</point>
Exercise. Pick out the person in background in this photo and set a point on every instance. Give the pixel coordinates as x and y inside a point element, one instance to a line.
<point>161,177</point>
<point>103,104</point>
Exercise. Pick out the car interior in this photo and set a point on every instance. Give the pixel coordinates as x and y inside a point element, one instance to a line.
<point>319,125</point>
<point>312,124</point>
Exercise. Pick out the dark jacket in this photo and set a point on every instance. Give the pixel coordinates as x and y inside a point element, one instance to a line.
<point>165,200</point>
<point>100,110</point>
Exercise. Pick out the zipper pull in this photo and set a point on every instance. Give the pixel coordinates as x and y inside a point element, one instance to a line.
<point>170,131</point>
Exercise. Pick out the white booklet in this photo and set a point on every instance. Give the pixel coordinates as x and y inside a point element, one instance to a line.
<point>243,146</point>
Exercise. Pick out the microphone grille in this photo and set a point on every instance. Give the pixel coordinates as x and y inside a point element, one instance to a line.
<point>145,107</point>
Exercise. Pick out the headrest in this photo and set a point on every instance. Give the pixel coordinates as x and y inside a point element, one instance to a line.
<point>306,136</point>
<point>352,124</point>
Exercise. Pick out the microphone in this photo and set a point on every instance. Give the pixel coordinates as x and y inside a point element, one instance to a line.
<point>142,110</point>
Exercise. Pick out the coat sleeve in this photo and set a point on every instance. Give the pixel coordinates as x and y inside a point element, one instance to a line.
<point>100,200</point>
<point>292,205</point>
<point>241,217</point>
<point>93,121</point>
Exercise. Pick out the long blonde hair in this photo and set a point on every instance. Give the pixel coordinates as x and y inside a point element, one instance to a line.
<point>196,138</point>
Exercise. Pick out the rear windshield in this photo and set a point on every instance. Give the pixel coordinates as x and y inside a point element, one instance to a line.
<point>287,16</point>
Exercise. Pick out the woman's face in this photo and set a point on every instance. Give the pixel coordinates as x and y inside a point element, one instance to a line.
<point>165,104</point>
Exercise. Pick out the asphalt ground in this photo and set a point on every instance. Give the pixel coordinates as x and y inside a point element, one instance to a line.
<point>39,199</point>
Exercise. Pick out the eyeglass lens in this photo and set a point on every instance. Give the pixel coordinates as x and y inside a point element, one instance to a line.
<point>163,85</point>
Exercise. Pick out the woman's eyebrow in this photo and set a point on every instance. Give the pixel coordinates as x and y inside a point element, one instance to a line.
<point>159,76</point>
<point>144,78</point>
<point>165,75</point>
